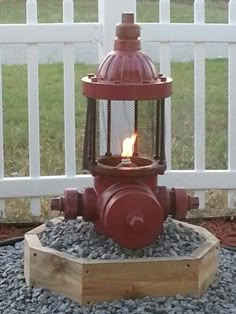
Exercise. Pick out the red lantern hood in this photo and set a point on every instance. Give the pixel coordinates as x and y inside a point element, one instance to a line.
<point>127,63</point>
<point>126,73</point>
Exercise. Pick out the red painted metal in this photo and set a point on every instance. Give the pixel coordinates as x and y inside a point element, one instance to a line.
<point>129,208</point>
<point>126,202</point>
<point>127,73</point>
<point>117,91</point>
<point>183,202</point>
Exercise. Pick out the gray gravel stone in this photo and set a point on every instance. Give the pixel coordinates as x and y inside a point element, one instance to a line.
<point>16,297</point>
<point>79,238</point>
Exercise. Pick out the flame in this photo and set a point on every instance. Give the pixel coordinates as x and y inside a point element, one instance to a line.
<point>127,146</point>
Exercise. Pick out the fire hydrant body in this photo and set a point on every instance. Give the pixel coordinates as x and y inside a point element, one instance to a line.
<point>126,202</point>
<point>129,209</point>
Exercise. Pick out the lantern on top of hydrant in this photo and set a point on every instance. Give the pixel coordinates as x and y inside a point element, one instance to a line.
<point>124,147</point>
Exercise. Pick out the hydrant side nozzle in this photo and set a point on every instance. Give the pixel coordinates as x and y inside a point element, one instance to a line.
<point>182,202</point>
<point>69,203</point>
<point>72,208</point>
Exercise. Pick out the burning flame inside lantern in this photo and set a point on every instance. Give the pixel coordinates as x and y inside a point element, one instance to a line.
<point>128,146</point>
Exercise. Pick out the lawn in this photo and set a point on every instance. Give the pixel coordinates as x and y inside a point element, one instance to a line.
<point>51,98</point>
<point>13,11</point>
<point>51,118</point>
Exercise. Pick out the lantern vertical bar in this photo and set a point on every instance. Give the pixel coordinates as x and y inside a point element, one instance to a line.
<point>90,129</point>
<point>108,152</point>
<point>162,131</point>
<point>92,110</point>
<point>86,146</point>
<point>135,127</point>
<point>157,155</point>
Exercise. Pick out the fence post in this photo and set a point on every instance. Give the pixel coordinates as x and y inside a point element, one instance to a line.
<point>69,94</point>
<point>109,14</point>
<point>2,203</point>
<point>199,99</point>
<point>231,105</point>
<point>33,105</point>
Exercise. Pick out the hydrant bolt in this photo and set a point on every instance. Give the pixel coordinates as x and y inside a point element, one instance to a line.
<point>136,222</point>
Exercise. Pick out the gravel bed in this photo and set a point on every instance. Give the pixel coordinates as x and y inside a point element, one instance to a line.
<point>79,239</point>
<point>16,297</point>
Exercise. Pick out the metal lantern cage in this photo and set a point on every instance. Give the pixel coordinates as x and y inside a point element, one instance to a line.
<point>126,101</point>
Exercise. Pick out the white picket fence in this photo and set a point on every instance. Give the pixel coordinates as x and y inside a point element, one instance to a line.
<point>102,32</point>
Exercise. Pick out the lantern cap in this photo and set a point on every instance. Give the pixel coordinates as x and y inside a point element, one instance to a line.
<point>126,72</point>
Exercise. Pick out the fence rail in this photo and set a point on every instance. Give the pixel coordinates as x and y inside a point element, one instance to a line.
<point>102,32</point>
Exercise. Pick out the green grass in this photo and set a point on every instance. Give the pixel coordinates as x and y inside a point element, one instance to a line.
<point>13,11</point>
<point>51,117</point>
<point>182,11</point>
<point>216,115</point>
<point>51,121</point>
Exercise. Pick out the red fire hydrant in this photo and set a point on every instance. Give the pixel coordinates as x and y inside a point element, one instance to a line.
<point>126,202</point>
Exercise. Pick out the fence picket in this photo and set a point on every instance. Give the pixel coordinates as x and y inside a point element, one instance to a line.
<point>109,18</point>
<point>69,94</point>
<point>2,203</point>
<point>231,105</point>
<point>109,14</point>
<point>33,106</point>
<point>199,99</point>
<point>165,68</point>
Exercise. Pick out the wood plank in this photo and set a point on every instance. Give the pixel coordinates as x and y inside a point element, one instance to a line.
<point>58,272</point>
<point>27,261</point>
<point>42,227</point>
<point>57,220</point>
<point>136,260</point>
<point>91,281</point>
<point>30,241</point>
<point>33,241</point>
<point>201,251</point>
<point>208,268</point>
<point>37,230</point>
<point>202,231</point>
<point>111,281</point>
